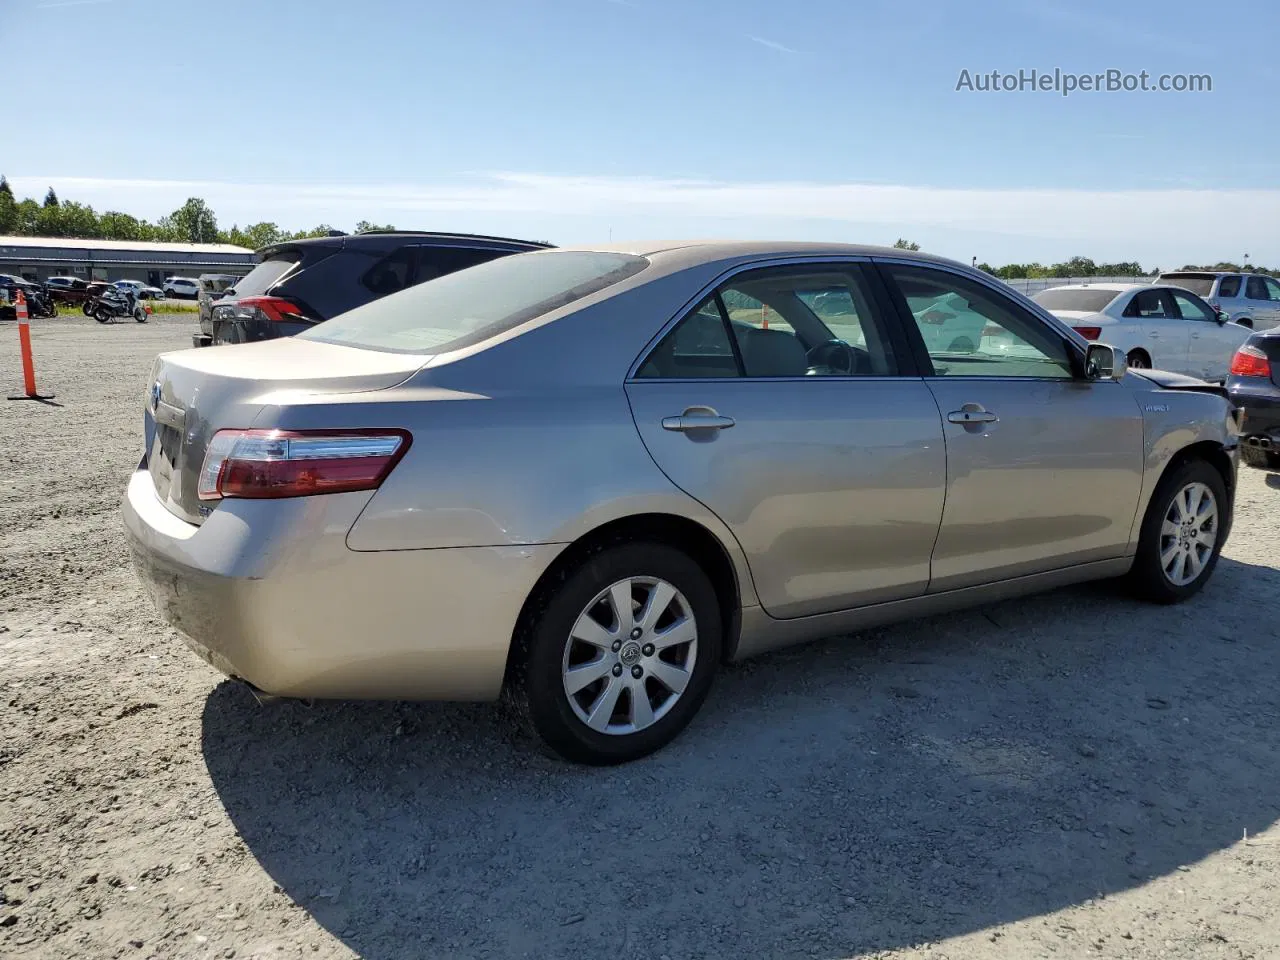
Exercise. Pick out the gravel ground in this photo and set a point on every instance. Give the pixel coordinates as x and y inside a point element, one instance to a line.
<point>1073,775</point>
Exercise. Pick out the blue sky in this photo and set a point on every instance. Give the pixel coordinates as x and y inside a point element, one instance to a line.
<point>579,120</point>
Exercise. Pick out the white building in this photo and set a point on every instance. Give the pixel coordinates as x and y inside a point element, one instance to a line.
<point>38,258</point>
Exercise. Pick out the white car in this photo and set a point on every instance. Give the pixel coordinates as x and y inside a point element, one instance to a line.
<point>1156,325</point>
<point>184,287</point>
<point>141,291</point>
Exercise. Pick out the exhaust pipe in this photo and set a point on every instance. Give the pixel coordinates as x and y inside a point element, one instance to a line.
<point>1262,443</point>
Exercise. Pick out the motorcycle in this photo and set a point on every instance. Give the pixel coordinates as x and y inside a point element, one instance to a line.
<point>40,305</point>
<point>116,304</point>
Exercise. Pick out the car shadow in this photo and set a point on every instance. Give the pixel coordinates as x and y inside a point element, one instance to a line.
<point>900,786</point>
<point>1273,481</point>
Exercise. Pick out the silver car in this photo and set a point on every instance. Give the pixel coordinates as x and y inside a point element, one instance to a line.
<point>586,478</point>
<point>1249,299</point>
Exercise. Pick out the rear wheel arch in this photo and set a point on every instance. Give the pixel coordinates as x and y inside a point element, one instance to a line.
<point>681,533</point>
<point>1140,353</point>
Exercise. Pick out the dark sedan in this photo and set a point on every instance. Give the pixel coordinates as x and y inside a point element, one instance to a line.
<point>1254,386</point>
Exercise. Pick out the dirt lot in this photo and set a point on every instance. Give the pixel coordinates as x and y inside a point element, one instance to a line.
<point>1071,776</point>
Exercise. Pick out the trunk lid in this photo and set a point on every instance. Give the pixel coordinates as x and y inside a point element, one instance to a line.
<point>195,393</point>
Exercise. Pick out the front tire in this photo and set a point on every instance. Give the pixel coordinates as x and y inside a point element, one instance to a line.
<point>1185,526</point>
<point>615,656</point>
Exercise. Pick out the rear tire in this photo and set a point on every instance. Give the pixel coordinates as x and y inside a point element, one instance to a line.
<point>102,315</point>
<point>604,722</point>
<point>1139,360</point>
<point>1262,459</point>
<point>1174,559</point>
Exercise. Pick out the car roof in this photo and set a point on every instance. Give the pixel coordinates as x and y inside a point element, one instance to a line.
<point>1105,287</point>
<point>1203,273</point>
<point>380,238</point>
<point>678,254</point>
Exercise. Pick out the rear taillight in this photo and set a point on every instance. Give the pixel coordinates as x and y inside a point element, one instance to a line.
<point>1250,361</point>
<point>1089,333</point>
<point>273,309</point>
<point>269,464</point>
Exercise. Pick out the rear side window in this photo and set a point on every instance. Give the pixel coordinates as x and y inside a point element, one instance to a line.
<point>433,262</point>
<point>471,306</point>
<point>1256,289</point>
<point>265,275</point>
<point>1229,287</point>
<point>390,274</point>
<point>1198,283</point>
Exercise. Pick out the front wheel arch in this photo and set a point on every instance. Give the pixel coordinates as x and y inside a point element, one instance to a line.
<point>1216,456</point>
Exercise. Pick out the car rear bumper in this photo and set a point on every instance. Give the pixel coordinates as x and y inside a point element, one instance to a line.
<point>269,592</point>
<point>1260,406</point>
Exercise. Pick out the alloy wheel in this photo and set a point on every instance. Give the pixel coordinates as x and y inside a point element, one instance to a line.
<point>630,655</point>
<point>1188,533</point>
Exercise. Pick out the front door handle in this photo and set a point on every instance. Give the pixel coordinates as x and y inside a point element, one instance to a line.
<point>697,418</point>
<point>967,416</point>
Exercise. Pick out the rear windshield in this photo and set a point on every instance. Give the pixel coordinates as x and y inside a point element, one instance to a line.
<point>472,305</point>
<point>1198,283</point>
<point>1082,299</point>
<point>265,275</point>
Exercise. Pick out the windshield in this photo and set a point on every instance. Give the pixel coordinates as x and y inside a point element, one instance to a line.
<point>1082,299</point>
<point>472,305</point>
<point>265,275</point>
<point>1197,283</point>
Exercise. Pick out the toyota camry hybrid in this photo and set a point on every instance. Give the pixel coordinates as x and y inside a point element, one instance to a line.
<point>585,478</point>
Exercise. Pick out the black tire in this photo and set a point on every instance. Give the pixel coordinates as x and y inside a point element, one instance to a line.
<point>87,308</point>
<point>1139,360</point>
<point>140,315</point>
<point>102,315</point>
<point>1262,459</point>
<point>1245,322</point>
<point>8,313</point>
<point>1147,578</point>
<point>961,345</point>
<point>535,686</point>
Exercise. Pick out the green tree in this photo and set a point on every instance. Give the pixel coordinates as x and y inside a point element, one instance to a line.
<point>987,268</point>
<point>4,186</point>
<point>255,236</point>
<point>28,224</point>
<point>364,226</point>
<point>193,222</point>
<point>114,225</point>
<point>8,212</point>
<point>901,244</point>
<point>78,220</point>
<point>51,198</point>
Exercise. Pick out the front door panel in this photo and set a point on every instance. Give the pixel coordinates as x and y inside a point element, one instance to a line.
<point>1054,480</point>
<point>833,487</point>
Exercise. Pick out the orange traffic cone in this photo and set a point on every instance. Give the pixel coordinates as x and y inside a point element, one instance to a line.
<point>28,365</point>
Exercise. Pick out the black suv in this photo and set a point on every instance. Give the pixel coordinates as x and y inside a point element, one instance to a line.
<point>300,283</point>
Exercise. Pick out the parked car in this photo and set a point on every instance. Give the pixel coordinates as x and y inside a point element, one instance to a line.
<point>1255,388</point>
<point>67,289</point>
<point>214,286</point>
<point>141,291</point>
<point>1250,299</point>
<point>40,304</point>
<point>304,282</point>
<point>182,288</point>
<point>1155,325</point>
<point>527,476</point>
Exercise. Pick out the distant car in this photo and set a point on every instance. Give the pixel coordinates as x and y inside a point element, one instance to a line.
<point>182,288</point>
<point>591,477</point>
<point>40,304</point>
<point>214,287</point>
<point>304,282</point>
<point>67,289</point>
<point>1155,325</point>
<point>1254,386</point>
<point>1250,299</point>
<point>141,291</point>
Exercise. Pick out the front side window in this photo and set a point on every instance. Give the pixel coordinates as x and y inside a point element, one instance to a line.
<point>809,321</point>
<point>971,331</point>
<point>1256,289</point>
<point>1147,305</point>
<point>1192,308</point>
<point>1273,289</point>
<point>1229,287</point>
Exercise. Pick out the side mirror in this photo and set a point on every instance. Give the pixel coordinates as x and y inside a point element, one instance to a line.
<point>1222,318</point>
<point>1104,362</point>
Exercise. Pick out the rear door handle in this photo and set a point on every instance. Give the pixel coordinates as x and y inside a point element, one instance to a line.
<point>697,418</point>
<point>971,416</point>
